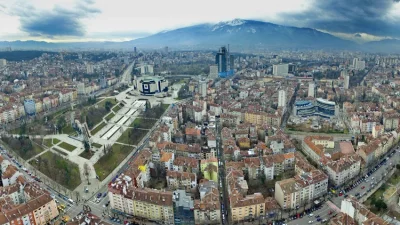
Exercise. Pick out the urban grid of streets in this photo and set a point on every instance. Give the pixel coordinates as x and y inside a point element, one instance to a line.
<point>329,208</point>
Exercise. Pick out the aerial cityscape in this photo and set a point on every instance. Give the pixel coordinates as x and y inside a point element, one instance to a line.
<point>286,113</point>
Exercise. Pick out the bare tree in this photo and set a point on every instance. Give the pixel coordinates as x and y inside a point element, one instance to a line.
<point>86,171</point>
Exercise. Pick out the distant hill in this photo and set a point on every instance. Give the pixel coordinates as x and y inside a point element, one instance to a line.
<point>384,46</point>
<point>243,34</point>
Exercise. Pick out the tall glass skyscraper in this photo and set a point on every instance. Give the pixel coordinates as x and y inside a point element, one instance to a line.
<point>225,62</point>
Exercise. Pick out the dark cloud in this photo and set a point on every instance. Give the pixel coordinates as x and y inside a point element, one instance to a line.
<point>349,16</point>
<point>57,22</point>
<point>357,35</point>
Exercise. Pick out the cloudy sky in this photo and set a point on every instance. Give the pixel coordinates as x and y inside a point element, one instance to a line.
<point>119,20</point>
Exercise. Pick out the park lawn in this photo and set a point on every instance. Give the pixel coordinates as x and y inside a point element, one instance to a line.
<point>68,129</point>
<point>107,163</point>
<point>395,178</point>
<point>98,128</point>
<point>102,102</point>
<point>137,136</point>
<point>37,149</point>
<point>143,123</point>
<point>48,142</point>
<point>67,146</point>
<point>117,108</point>
<point>60,151</point>
<point>86,154</point>
<point>58,169</point>
<point>56,141</point>
<point>109,116</point>
<point>97,145</point>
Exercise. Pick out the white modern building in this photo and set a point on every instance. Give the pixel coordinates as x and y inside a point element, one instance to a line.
<point>346,83</point>
<point>358,64</point>
<point>282,98</point>
<point>213,72</point>
<point>203,88</point>
<point>81,88</point>
<point>3,62</point>
<point>311,89</point>
<point>150,85</point>
<point>89,68</point>
<point>280,69</point>
<point>146,69</point>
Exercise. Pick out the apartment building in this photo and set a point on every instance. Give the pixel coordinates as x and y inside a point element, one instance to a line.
<point>186,164</point>
<point>181,180</point>
<point>294,192</point>
<point>139,171</point>
<point>38,208</point>
<point>9,175</point>
<point>248,207</point>
<point>314,146</point>
<point>344,169</point>
<point>145,203</point>
<point>209,168</point>
<point>207,210</point>
<point>360,213</point>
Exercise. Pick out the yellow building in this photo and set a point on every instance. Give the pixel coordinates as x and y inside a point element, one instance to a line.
<point>209,168</point>
<point>251,206</point>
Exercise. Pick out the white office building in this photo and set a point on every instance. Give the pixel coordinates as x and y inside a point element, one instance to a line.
<point>3,62</point>
<point>282,98</point>
<point>89,69</point>
<point>358,64</point>
<point>213,72</point>
<point>280,69</point>
<point>311,89</point>
<point>203,88</point>
<point>146,69</point>
<point>81,88</point>
<point>346,81</point>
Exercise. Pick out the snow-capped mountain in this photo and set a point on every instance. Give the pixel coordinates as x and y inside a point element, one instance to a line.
<point>243,34</point>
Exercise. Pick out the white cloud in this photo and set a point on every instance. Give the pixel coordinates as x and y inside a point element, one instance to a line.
<point>150,16</point>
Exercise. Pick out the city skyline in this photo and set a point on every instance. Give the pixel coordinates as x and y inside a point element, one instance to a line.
<point>100,20</point>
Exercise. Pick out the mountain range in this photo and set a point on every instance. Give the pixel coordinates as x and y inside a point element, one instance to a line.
<point>240,34</point>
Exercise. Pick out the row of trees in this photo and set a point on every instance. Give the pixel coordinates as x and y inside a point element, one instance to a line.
<point>22,146</point>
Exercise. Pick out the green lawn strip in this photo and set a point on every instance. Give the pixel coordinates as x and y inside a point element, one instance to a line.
<point>143,123</point>
<point>98,128</point>
<point>56,141</point>
<point>67,146</point>
<point>48,142</point>
<point>116,108</point>
<point>109,116</point>
<point>58,169</point>
<point>165,106</point>
<point>108,162</point>
<point>60,151</point>
<point>97,145</point>
<point>133,139</point>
